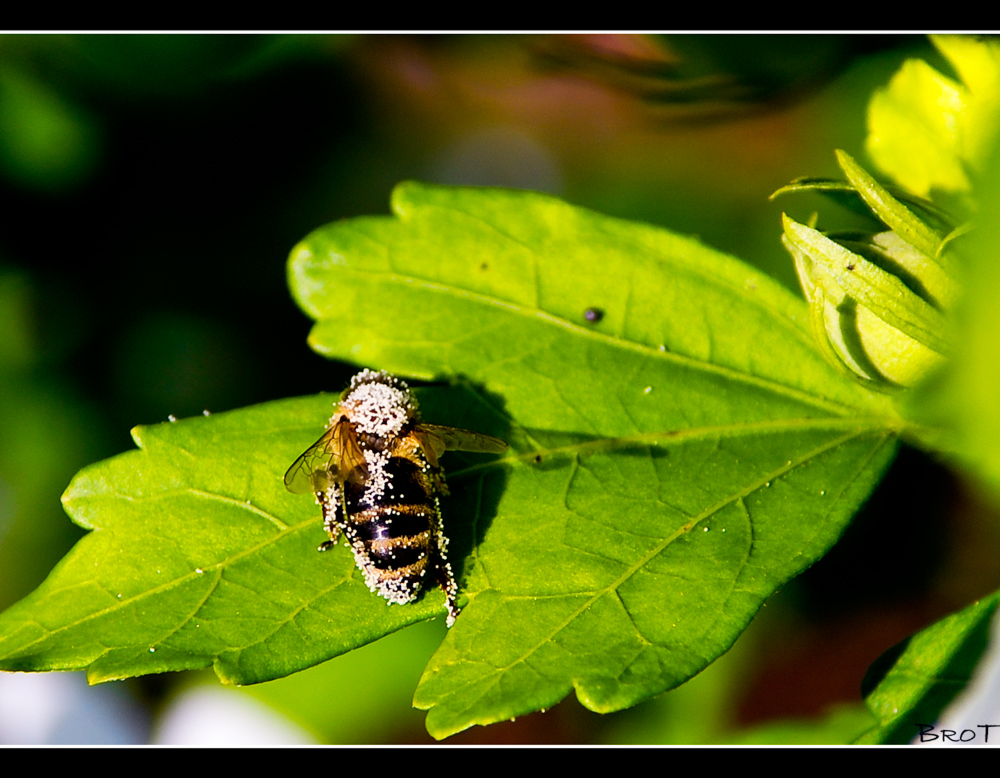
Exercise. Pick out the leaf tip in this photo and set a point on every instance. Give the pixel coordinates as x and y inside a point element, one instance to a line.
<point>788,224</point>
<point>844,159</point>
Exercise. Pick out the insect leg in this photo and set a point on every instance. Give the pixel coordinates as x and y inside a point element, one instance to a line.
<point>446,579</point>
<point>332,502</point>
<point>436,475</point>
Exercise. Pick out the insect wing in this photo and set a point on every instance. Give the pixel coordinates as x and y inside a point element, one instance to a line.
<point>309,471</point>
<point>351,459</point>
<point>439,439</point>
<point>329,460</point>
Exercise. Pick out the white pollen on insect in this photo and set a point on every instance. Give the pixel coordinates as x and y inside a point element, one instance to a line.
<point>378,404</point>
<point>379,479</point>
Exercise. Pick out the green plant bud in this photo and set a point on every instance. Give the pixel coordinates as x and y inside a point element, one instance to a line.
<point>895,355</point>
<point>878,300</point>
<point>876,310</point>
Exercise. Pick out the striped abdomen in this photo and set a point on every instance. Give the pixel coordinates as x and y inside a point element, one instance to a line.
<point>393,526</point>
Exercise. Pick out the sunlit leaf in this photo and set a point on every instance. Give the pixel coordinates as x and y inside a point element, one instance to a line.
<point>964,401</point>
<point>679,450</point>
<point>929,131</point>
<point>882,292</point>
<point>681,447</point>
<point>199,556</point>
<point>894,213</point>
<point>848,196</point>
<point>918,678</point>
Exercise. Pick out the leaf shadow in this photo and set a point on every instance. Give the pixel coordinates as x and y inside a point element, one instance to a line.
<point>477,482</point>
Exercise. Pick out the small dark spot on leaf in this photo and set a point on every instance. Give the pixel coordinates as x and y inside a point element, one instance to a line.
<point>484,266</point>
<point>538,458</point>
<point>593,315</point>
<point>850,267</point>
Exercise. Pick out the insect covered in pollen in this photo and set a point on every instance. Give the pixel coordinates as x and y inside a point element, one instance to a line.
<point>375,474</point>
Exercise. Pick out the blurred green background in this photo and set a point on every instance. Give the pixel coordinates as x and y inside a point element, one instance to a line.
<point>152,186</point>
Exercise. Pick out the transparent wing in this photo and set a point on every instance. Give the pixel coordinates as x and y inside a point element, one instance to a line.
<point>312,472</point>
<point>438,439</point>
<point>327,461</point>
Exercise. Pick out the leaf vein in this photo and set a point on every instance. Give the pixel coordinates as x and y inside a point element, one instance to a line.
<point>642,439</point>
<point>687,527</point>
<point>243,504</point>
<point>169,584</point>
<point>647,350</point>
<point>662,258</point>
<point>217,577</point>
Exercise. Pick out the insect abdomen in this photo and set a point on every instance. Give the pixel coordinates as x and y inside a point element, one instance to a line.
<point>393,530</point>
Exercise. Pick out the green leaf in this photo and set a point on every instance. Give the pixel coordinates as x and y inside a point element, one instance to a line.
<point>965,400</point>
<point>896,216</point>
<point>848,196</point>
<point>677,459</point>
<point>200,557</point>
<point>911,130</point>
<point>921,275</point>
<point>930,132</point>
<point>918,678</point>
<point>976,61</point>
<point>680,450</point>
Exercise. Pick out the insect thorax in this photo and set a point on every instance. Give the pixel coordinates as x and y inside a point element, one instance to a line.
<point>379,406</point>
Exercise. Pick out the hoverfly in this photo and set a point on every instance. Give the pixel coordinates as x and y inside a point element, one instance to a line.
<point>375,473</point>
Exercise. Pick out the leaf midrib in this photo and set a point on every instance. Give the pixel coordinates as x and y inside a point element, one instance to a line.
<point>803,335</point>
<point>220,566</point>
<point>620,442</point>
<point>861,424</point>
<point>597,594</point>
<point>614,341</point>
